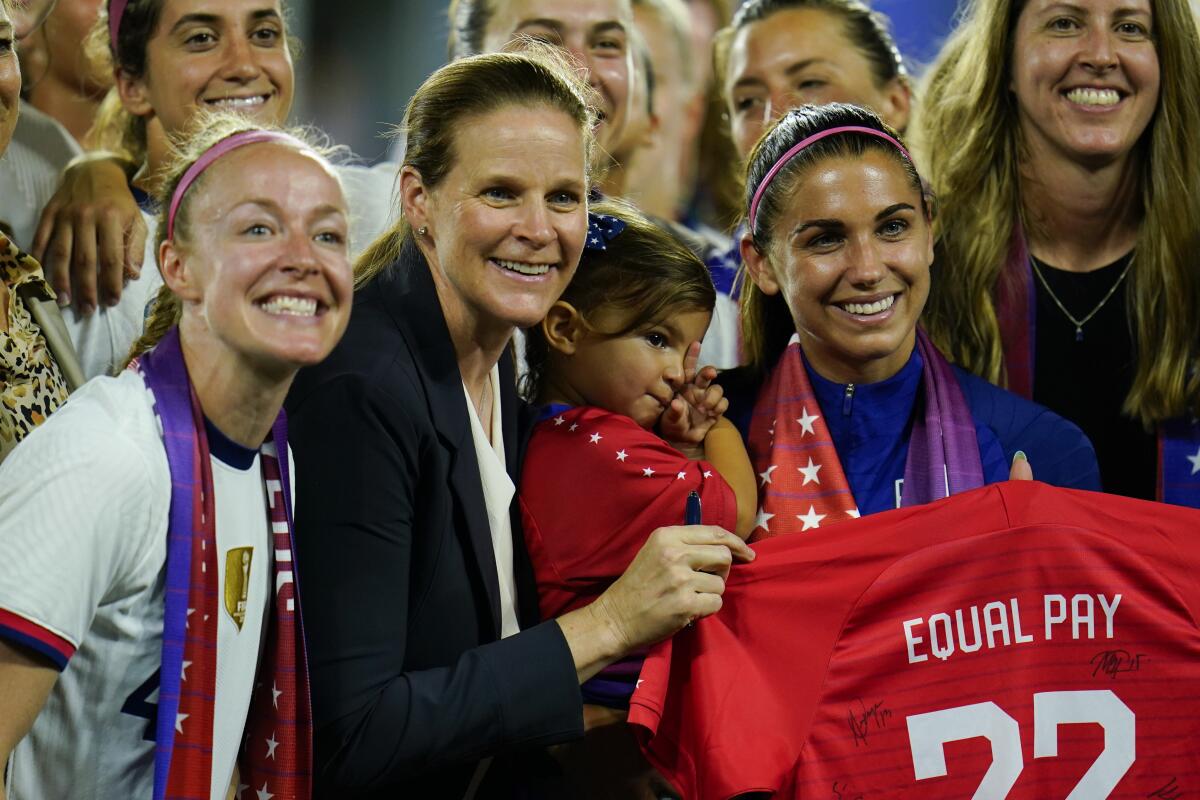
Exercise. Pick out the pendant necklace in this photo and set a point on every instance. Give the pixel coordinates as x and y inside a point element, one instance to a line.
<point>1079,323</point>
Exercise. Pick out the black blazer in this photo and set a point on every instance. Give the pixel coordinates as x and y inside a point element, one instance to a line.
<point>411,686</point>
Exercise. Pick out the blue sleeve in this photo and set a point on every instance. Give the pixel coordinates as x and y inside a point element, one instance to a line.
<point>1058,451</point>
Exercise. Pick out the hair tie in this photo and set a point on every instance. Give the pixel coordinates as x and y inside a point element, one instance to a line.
<point>212,154</point>
<point>116,11</point>
<point>602,229</point>
<point>810,140</point>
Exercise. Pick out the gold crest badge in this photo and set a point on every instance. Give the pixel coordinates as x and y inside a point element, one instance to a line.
<point>237,582</point>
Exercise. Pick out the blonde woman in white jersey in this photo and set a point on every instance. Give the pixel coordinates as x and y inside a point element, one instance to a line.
<point>149,604</point>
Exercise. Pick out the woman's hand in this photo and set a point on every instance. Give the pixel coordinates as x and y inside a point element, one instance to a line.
<point>696,407</point>
<point>91,236</point>
<point>1020,469</point>
<point>677,577</point>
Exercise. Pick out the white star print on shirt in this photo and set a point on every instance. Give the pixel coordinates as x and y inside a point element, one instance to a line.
<point>179,718</point>
<point>811,520</point>
<point>622,455</point>
<point>263,794</point>
<point>762,520</point>
<point>275,693</point>
<point>574,427</point>
<point>596,438</point>
<point>647,472</point>
<point>806,421</point>
<point>680,476</point>
<point>810,472</point>
<point>271,745</point>
<point>559,420</point>
<point>1195,461</point>
<point>854,513</point>
<point>183,670</point>
<point>766,476</point>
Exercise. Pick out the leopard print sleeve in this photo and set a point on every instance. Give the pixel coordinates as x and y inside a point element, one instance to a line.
<point>31,384</point>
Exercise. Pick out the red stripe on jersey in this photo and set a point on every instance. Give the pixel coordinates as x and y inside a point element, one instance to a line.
<point>18,629</point>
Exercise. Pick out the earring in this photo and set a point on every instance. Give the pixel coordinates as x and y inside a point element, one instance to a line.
<point>421,231</point>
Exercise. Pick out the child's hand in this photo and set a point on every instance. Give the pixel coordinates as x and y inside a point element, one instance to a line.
<point>697,404</point>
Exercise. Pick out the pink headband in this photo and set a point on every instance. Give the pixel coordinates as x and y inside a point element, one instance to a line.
<point>803,143</point>
<point>212,154</point>
<point>116,10</point>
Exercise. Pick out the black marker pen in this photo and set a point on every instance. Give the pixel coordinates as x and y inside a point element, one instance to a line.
<point>691,512</point>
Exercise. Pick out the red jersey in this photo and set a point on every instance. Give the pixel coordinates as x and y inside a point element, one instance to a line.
<point>1015,641</point>
<point>594,486</point>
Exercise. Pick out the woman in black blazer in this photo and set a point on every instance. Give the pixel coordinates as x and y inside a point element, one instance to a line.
<point>431,674</point>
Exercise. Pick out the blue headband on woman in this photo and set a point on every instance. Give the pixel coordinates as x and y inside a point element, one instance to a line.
<point>602,229</point>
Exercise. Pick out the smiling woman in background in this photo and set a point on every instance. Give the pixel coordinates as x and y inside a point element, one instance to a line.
<point>595,33</point>
<point>1070,183</point>
<point>780,54</point>
<point>170,60</point>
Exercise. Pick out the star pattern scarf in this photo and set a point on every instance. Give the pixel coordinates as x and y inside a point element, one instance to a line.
<point>802,481</point>
<point>1016,307</point>
<point>276,758</point>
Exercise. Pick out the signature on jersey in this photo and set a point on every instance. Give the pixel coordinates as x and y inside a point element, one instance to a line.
<point>1114,662</point>
<point>1169,791</point>
<point>864,720</point>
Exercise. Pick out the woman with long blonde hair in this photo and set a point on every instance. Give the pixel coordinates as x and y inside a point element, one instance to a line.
<point>1057,141</point>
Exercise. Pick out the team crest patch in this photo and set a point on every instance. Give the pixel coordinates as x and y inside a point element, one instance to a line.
<point>237,582</point>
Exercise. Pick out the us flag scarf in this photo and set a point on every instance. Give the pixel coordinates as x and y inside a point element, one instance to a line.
<point>803,485</point>
<point>276,757</point>
<point>1178,479</point>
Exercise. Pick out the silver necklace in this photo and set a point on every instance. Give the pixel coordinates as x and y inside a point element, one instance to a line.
<point>1079,323</point>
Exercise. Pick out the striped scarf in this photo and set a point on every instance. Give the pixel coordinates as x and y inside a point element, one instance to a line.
<point>802,481</point>
<point>276,757</point>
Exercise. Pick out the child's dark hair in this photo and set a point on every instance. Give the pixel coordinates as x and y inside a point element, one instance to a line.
<point>646,269</point>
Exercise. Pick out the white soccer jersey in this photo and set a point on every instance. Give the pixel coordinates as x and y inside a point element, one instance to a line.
<point>84,505</point>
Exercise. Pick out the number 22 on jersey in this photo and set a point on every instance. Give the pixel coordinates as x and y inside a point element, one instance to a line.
<point>929,733</point>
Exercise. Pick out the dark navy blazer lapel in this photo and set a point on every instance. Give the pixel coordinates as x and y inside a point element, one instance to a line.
<point>423,327</point>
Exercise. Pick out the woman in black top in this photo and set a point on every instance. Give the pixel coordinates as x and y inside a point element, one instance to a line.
<point>1058,139</point>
